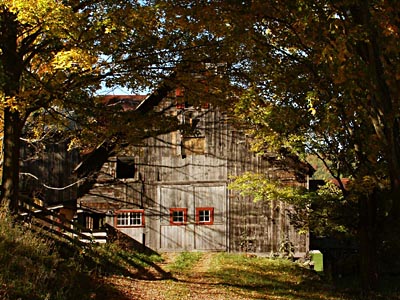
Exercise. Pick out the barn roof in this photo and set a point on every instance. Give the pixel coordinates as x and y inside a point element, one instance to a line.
<point>126,102</point>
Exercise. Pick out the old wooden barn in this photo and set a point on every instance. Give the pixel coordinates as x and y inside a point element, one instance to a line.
<point>171,192</point>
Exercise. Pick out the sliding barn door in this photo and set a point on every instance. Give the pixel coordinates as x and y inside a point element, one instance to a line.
<point>192,217</point>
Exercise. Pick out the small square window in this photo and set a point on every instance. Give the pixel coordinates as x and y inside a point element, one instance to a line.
<point>205,215</point>
<point>129,218</point>
<point>177,216</point>
<point>125,167</point>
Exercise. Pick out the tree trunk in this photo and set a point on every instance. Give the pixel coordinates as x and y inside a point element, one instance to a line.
<point>394,169</point>
<point>11,69</point>
<point>11,146</point>
<point>368,243</point>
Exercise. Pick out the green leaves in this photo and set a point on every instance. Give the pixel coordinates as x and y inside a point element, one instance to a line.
<point>262,188</point>
<point>322,212</point>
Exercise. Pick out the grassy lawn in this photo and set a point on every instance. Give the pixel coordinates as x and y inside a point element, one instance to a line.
<point>269,279</point>
<point>37,268</point>
<point>240,277</point>
<point>234,276</point>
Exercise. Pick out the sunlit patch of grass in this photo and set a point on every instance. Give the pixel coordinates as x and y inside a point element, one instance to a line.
<point>184,261</point>
<point>274,279</point>
<point>235,276</point>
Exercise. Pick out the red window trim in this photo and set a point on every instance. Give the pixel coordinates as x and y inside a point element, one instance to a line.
<point>211,209</point>
<point>141,211</point>
<point>171,215</point>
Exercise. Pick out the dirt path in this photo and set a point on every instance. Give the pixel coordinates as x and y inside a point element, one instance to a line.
<point>194,284</point>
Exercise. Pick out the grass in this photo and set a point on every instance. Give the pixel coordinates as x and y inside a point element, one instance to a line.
<point>34,267</point>
<point>184,262</point>
<point>236,276</point>
<point>269,279</point>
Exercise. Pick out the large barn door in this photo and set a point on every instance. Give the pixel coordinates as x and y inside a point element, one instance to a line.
<point>211,236</point>
<point>192,218</point>
<point>177,235</point>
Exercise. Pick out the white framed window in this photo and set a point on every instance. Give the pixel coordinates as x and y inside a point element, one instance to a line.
<point>178,216</point>
<point>205,215</point>
<point>129,218</point>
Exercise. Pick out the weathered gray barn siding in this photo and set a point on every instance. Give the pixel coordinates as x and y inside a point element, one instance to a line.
<point>192,170</point>
<point>259,227</point>
<point>186,178</point>
<point>192,236</point>
<point>52,164</point>
<point>262,227</point>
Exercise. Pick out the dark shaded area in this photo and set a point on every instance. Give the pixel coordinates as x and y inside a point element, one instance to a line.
<point>340,256</point>
<point>47,171</point>
<point>90,166</point>
<point>126,242</point>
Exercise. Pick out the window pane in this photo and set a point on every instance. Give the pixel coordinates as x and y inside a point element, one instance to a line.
<point>121,219</point>
<point>125,167</point>
<point>136,218</point>
<point>132,218</point>
<point>204,216</point>
<point>178,216</point>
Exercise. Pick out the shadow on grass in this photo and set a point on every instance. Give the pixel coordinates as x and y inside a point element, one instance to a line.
<point>146,267</point>
<point>269,287</point>
<point>252,280</point>
<point>134,259</point>
<point>244,278</point>
<point>267,279</point>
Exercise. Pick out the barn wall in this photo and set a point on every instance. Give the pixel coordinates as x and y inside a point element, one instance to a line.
<point>263,226</point>
<point>53,164</point>
<point>192,169</point>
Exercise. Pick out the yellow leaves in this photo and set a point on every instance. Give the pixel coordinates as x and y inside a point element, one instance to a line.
<point>111,26</point>
<point>10,102</point>
<point>14,103</point>
<point>18,102</point>
<point>256,186</point>
<point>109,29</point>
<point>311,99</point>
<point>74,143</point>
<point>43,18</point>
<point>75,60</point>
<point>312,110</point>
<point>37,11</point>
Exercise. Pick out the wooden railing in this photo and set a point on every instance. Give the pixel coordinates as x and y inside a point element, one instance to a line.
<point>55,225</point>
